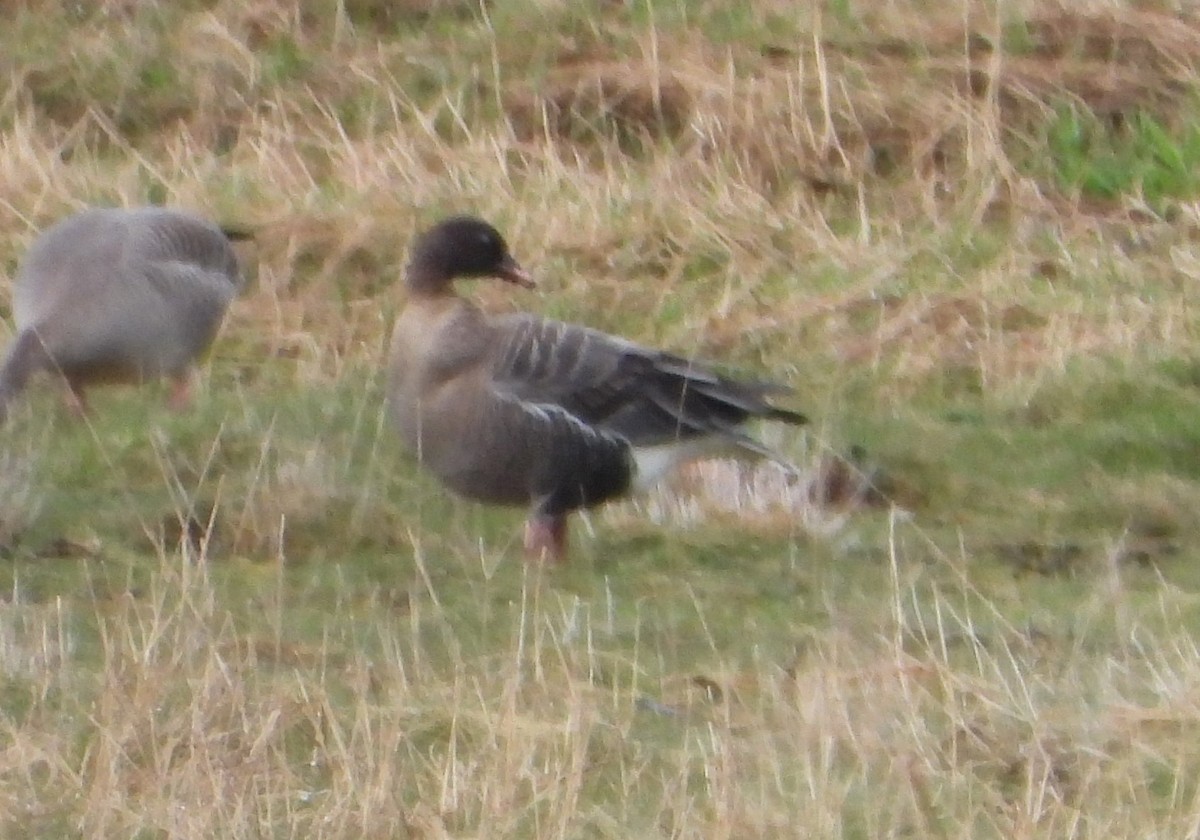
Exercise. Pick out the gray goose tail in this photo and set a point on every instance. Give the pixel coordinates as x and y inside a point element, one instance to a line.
<point>684,403</point>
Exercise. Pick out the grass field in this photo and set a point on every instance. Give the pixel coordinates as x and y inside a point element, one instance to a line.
<point>968,236</point>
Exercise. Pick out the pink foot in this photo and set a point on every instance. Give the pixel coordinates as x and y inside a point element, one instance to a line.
<point>180,398</point>
<point>546,540</point>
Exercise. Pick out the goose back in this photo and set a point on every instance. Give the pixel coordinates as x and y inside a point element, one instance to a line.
<point>126,294</point>
<point>648,397</point>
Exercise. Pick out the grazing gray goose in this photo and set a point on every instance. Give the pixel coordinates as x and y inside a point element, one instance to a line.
<point>519,410</point>
<point>113,295</point>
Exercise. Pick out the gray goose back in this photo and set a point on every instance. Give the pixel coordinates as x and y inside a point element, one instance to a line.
<point>119,294</point>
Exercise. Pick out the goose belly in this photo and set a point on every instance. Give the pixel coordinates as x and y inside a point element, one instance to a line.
<point>455,451</point>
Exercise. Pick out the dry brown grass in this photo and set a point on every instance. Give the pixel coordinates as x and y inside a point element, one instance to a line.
<point>940,720</point>
<point>744,156</point>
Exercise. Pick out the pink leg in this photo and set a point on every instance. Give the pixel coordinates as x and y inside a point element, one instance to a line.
<point>76,400</point>
<point>546,539</point>
<point>180,397</point>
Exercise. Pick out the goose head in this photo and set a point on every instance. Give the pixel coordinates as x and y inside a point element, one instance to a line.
<point>461,246</point>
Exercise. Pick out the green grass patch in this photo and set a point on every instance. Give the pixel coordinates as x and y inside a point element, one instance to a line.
<point>1135,155</point>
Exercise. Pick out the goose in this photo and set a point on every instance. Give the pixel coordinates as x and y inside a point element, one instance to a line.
<point>119,295</point>
<point>520,410</point>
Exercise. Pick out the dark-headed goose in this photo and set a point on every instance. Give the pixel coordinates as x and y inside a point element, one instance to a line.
<point>112,295</point>
<point>519,410</point>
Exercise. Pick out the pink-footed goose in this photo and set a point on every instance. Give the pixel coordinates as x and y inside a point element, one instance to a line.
<point>519,410</point>
<point>114,295</point>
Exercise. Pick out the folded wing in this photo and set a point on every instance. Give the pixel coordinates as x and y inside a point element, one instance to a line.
<point>647,396</point>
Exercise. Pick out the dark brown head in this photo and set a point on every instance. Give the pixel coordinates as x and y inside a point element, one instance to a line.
<point>461,246</point>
